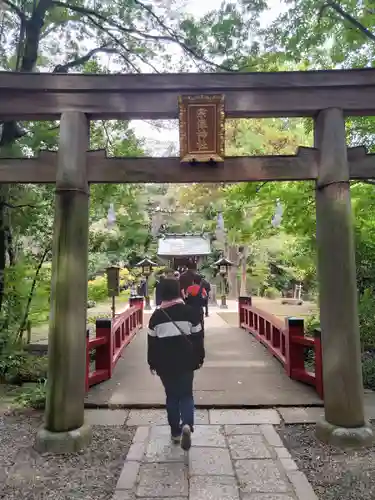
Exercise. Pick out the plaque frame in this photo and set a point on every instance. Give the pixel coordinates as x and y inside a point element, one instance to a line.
<point>216,154</point>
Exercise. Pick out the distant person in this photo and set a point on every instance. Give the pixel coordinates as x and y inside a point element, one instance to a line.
<point>207,287</point>
<point>175,351</point>
<point>158,287</point>
<point>176,275</point>
<point>142,288</point>
<point>187,279</point>
<point>196,296</point>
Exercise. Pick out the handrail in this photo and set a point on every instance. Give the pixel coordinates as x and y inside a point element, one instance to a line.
<point>111,338</point>
<point>286,341</point>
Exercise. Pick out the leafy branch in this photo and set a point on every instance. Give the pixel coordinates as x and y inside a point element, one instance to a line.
<point>64,68</point>
<point>170,37</point>
<point>348,17</point>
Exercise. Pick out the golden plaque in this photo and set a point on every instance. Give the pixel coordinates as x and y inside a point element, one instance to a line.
<point>202,128</point>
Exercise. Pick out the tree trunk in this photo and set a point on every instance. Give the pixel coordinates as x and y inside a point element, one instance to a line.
<point>232,273</point>
<point>32,289</point>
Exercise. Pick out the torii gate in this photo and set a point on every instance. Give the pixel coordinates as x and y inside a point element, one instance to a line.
<point>325,95</point>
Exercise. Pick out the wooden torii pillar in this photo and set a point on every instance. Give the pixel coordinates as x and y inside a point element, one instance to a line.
<point>64,429</point>
<point>344,423</point>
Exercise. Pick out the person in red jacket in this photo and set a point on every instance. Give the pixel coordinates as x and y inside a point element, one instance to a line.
<point>196,296</point>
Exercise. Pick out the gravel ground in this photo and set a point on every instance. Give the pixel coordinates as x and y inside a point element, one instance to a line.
<point>334,474</point>
<point>89,475</point>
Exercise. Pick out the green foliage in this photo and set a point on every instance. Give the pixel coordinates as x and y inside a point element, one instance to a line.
<point>98,289</point>
<point>366,316</point>
<point>368,372</point>
<point>34,397</point>
<point>17,366</point>
<point>271,292</point>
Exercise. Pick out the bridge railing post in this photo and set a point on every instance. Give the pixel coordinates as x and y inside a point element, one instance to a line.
<point>87,386</point>
<point>104,353</point>
<point>139,302</point>
<point>242,301</point>
<point>295,357</point>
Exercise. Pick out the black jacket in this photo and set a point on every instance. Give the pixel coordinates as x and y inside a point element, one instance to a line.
<point>170,352</point>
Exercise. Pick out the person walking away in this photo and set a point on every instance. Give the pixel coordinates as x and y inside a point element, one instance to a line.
<point>175,351</point>
<point>187,279</point>
<point>158,286</point>
<point>207,287</point>
<point>196,297</point>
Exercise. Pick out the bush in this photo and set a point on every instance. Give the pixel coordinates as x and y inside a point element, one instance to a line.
<point>368,371</point>
<point>311,323</point>
<point>272,293</point>
<point>35,397</point>
<point>18,366</point>
<point>97,289</point>
<point>366,319</point>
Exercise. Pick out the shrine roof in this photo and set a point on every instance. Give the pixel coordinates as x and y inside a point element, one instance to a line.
<point>183,245</point>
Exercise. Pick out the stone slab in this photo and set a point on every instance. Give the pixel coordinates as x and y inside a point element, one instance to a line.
<point>213,488</point>
<point>163,480</point>
<point>268,496</point>
<point>106,417</point>
<point>261,476</point>
<point>210,461</point>
<point>288,464</point>
<point>123,495</point>
<point>162,449</point>
<point>271,436</point>
<point>126,495</point>
<point>301,415</point>
<point>141,434</point>
<point>159,417</point>
<point>282,452</point>
<point>128,476</point>
<point>136,452</point>
<point>208,435</point>
<point>234,430</point>
<point>238,417</point>
<point>302,487</point>
<point>248,447</point>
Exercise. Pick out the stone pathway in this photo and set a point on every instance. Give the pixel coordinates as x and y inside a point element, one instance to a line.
<point>236,455</point>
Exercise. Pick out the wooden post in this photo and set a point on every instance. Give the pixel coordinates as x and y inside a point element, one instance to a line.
<point>64,419</point>
<point>344,422</point>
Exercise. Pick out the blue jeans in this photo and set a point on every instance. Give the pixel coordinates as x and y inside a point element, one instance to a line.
<point>180,401</point>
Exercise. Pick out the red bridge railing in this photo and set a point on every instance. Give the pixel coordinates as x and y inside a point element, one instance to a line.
<point>286,341</point>
<point>111,337</point>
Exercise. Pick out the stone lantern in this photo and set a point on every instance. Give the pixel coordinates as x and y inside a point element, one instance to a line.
<point>223,265</point>
<point>147,266</point>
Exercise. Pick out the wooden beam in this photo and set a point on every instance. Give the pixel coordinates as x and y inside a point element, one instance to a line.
<point>104,169</point>
<point>47,95</point>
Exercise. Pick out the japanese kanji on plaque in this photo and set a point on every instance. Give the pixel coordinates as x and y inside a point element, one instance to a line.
<point>202,128</point>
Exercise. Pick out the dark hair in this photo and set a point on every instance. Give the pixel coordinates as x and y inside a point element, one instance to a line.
<point>170,289</point>
<point>197,279</point>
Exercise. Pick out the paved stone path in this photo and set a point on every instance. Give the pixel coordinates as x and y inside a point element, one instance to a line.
<point>237,371</point>
<point>236,454</point>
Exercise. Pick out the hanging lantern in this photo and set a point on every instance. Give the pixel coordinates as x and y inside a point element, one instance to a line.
<point>277,218</point>
<point>111,217</point>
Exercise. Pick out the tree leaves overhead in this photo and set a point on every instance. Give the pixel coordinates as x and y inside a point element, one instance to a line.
<point>326,34</point>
